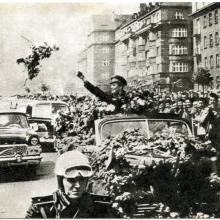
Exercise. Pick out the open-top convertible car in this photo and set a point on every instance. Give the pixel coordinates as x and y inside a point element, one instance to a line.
<point>147,163</point>
<point>19,144</point>
<point>152,166</point>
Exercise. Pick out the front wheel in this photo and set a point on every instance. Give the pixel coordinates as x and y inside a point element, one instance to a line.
<point>32,170</point>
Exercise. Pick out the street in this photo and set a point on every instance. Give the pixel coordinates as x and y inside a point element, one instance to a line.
<point>17,187</point>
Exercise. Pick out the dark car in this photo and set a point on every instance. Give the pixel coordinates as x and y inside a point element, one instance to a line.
<point>19,144</point>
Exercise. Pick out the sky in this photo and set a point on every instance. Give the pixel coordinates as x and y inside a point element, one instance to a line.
<point>64,24</point>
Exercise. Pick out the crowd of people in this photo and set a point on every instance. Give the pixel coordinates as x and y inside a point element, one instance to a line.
<point>201,109</point>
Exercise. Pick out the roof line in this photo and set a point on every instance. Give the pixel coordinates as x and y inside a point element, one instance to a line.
<point>203,8</point>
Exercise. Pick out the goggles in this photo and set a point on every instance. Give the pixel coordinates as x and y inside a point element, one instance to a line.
<point>74,172</point>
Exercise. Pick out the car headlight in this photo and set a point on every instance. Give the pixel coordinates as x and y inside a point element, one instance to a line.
<point>34,141</point>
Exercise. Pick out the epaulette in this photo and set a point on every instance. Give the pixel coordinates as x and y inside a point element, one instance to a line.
<point>43,200</point>
<point>101,199</point>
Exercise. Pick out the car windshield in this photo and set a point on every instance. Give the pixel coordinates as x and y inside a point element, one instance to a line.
<point>13,120</point>
<point>167,127</point>
<point>117,127</point>
<point>148,128</point>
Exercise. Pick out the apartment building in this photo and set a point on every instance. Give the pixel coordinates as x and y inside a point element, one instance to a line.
<point>206,30</point>
<point>97,60</point>
<point>156,44</point>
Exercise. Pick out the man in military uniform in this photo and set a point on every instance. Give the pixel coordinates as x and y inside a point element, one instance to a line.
<point>71,199</point>
<point>118,94</point>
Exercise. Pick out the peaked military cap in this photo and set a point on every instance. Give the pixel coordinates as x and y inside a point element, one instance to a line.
<point>214,95</point>
<point>118,79</point>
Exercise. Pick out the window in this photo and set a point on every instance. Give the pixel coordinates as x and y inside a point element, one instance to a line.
<point>210,19</point>
<point>211,62</point>
<point>153,18</point>
<point>179,50</point>
<point>210,40</point>
<point>147,54</point>
<point>105,76</point>
<point>179,15</point>
<point>204,21</point>
<point>105,62</point>
<point>217,60</point>
<point>205,42</point>
<point>198,27</point>
<point>158,68</point>
<point>158,51</point>
<point>158,17</point>
<point>216,38</point>
<point>179,67</point>
<point>206,62</point>
<point>105,37</point>
<point>179,32</point>
<point>141,41</point>
<point>216,16</point>
<point>105,50</point>
<point>217,82</point>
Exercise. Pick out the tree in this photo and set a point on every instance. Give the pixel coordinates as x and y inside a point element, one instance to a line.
<point>32,61</point>
<point>203,78</point>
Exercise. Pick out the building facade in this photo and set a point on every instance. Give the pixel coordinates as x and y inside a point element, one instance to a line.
<point>97,61</point>
<point>156,44</point>
<point>206,49</point>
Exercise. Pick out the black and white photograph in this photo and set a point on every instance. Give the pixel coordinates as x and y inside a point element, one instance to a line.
<point>109,109</point>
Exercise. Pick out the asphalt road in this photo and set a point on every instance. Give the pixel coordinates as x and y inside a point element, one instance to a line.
<point>18,186</point>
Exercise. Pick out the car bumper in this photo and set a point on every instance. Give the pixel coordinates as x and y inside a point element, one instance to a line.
<point>19,161</point>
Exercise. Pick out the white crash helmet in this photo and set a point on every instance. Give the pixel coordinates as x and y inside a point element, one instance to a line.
<point>72,164</point>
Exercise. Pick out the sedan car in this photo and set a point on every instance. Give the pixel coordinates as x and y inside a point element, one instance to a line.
<point>19,144</point>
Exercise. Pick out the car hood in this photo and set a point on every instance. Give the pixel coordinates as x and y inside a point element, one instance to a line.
<point>13,135</point>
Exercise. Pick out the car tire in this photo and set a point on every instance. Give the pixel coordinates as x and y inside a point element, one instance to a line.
<point>32,170</point>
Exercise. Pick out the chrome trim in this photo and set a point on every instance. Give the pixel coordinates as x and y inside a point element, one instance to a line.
<point>23,159</point>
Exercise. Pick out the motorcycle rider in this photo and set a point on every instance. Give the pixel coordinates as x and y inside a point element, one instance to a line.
<point>71,200</point>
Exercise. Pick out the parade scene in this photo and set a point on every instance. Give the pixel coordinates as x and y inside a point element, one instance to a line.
<point>110,110</point>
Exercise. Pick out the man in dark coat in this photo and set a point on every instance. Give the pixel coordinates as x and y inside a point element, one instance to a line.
<point>71,199</point>
<point>118,94</point>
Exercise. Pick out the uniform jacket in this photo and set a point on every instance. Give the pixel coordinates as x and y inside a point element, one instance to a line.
<point>58,205</point>
<point>118,100</point>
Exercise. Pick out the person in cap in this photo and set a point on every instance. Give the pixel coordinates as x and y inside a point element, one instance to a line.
<point>214,133</point>
<point>71,200</point>
<point>118,94</point>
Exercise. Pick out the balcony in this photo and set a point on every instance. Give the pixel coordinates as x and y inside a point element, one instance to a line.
<point>176,21</point>
<point>148,27</point>
<point>125,38</point>
<point>161,24</point>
